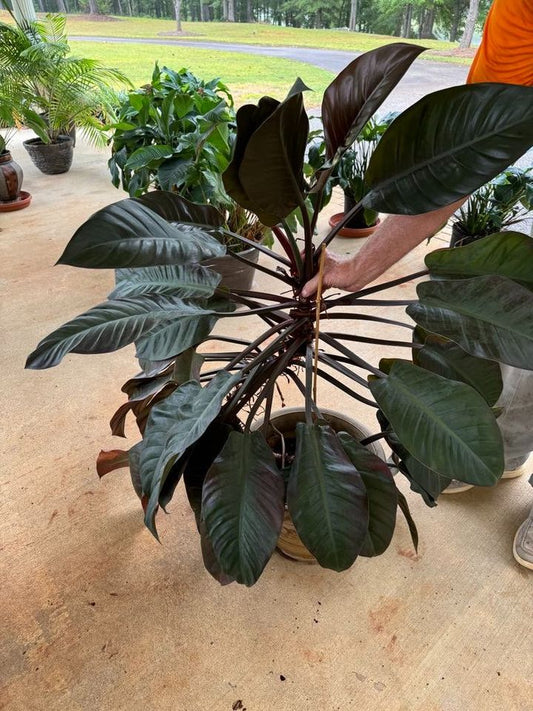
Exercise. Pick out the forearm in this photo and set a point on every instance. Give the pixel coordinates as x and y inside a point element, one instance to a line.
<point>394,238</point>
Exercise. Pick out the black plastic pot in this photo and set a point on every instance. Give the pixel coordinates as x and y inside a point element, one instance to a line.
<point>235,274</point>
<point>51,158</point>
<point>460,236</point>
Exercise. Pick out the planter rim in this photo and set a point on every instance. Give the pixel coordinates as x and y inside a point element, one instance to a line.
<point>352,232</point>
<point>38,142</point>
<point>20,202</point>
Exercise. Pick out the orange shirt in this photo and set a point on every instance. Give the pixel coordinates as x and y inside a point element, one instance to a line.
<point>506,51</point>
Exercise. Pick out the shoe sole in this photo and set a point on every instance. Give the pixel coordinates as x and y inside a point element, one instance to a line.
<point>513,473</point>
<point>509,474</point>
<point>521,561</point>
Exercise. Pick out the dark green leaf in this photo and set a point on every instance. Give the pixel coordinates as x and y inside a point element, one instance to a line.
<point>170,338</point>
<point>326,498</point>
<point>173,426</point>
<point>381,493</point>
<point>114,324</point>
<point>243,504</point>
<point>451,361</point>
<point>360,89</point>
<point>430,481</point>
<point>445,424</point>
<point>425,159</point>
<point>508,254</point>
<point>210,560</point>
<point>129,234</point>
<point>488,316</point>
<point>201,457</point>
<point>186,281</point>
<point>175,208</point>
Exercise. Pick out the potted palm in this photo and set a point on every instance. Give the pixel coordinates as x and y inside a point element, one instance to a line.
<point>55,93</point>
<point>198,409</point>
<point>496,206</point>
<point>350,175</point>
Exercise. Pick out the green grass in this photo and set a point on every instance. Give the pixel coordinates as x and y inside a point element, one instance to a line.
<point>255,33</point>
<point>247,76</point>
<point>244,33</point>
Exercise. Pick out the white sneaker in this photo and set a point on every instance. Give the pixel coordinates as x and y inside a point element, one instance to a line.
<point>457,487</point>
<point>523,543</point>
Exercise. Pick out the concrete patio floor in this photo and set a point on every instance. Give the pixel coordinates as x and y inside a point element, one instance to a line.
<point>97,616</point>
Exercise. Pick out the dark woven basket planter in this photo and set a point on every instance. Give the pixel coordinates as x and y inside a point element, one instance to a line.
<point>51,158</point>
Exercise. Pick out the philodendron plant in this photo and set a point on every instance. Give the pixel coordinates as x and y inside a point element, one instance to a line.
<point>196,409</point>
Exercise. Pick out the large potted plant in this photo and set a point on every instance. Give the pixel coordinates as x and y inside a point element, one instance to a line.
<point>350,176</point>
<point>501,203</point>
<point>177,134</point>
<point>54,93</point>
<point>198,409</point>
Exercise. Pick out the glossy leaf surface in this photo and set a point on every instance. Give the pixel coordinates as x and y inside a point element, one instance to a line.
<point>271,168</point>
<point>488,316</point>
<point>447,145</point>
<point>173,426</point>
<point>326,498</point>
<point>508,254</point>
<point>381,493</point>
<point>188,281</point>
<point>114,324</point>
<point>360,89</point>
<point>242,505</point>
<point>175,208</point>
<point>446,425</point>
<point>451,361</point>
<point>129,234</point>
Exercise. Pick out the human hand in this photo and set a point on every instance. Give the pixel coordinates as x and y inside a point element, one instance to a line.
<point>337,273</point>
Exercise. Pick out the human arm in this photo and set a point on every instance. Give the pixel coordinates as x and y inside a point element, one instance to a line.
<point>395,237</point>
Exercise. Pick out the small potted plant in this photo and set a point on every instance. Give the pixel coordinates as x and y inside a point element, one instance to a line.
<point>206,416</point>
<point>350,175</point>
<point>496,206</point>
<point>54,93</point>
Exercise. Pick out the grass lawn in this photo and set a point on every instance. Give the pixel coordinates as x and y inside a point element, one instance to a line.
<point>248,77</point>
<point>243,33</point>
<point>254,33</point>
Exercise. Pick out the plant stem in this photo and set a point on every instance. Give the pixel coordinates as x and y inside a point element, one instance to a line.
<point>364,339</point>
<point>353,358</point>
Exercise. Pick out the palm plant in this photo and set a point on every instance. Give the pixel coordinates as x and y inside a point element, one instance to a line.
<point>196,409</point>
<point>49,91</point>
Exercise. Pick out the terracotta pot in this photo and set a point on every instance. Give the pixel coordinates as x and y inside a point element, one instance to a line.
<point>51,158</point>
<point>354,232</point>
<point>289,542</point>
<point>235,274</point>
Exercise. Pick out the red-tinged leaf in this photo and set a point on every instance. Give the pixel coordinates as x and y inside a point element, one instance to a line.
<point>109,461</point>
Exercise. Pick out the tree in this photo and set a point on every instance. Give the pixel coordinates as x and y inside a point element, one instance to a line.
<point>470,24</point>
<point>177,10</point>
<point>353,16</point>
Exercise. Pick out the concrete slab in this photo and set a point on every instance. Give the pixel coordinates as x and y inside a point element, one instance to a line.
<point>97,616</point>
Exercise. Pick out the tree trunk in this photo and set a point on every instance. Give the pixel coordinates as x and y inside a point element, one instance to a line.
<point>470,24</point>
<point>353,16</point>
<point>93,8</point>
<point>231,10</point>
<point>204,11</point>
<point>426,29</point>
<point>408,16</point>
<point>61,7</point>
<point>249,11</point>
<point>177,12</point>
